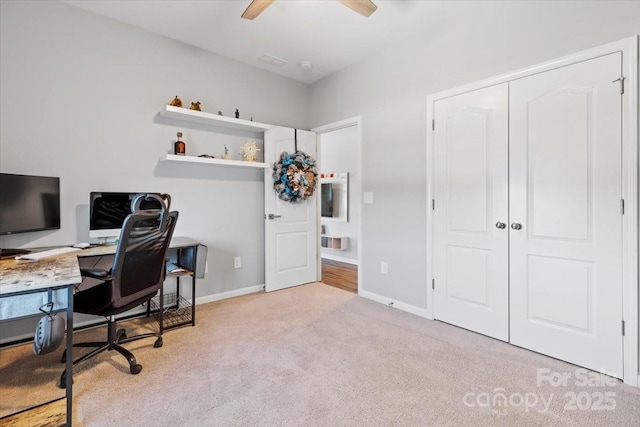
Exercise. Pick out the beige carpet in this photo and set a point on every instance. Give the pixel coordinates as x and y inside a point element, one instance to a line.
<point>317,355</point>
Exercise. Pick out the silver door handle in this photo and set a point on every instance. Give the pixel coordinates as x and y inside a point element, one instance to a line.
<point>501,225</point>
<point>516,226</point>
<point>272,216</point>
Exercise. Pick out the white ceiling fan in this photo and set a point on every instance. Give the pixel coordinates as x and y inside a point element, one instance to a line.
<point>363,7</point>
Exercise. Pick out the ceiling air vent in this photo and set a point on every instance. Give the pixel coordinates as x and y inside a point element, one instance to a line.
<point>273,60</point>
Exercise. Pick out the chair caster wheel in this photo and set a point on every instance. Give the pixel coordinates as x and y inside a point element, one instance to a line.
<point>135,369</point>
<point>158,343</point>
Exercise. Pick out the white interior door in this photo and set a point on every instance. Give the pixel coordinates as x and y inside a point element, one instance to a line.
<point>291,229</point>
<point>470,246</point>
<point>565,192</point>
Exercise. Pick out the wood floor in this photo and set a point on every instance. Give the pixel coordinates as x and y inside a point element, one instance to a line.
<point>52,414</point>
<point>340,274</point>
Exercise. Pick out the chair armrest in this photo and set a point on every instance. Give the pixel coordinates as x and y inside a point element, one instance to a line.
<point>96,273</point>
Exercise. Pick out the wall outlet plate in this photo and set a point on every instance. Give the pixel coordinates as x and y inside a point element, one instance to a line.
<point>237,262</point>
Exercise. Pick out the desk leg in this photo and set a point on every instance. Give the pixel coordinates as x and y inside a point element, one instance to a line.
<point>193,298</point>
<point>161,313</point>
<point>69,377</point>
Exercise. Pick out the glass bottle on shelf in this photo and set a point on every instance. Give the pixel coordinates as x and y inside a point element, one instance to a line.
<point>179,147</point>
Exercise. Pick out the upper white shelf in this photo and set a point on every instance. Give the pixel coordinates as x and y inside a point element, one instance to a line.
<point>209,161</point>
<point>210,119</point>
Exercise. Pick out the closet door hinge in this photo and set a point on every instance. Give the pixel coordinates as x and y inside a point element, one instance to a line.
<point>433,283</point>
<point>621,79</point>
<point>622,206</point>
<point>623,328</point>
<point>433,125</point>
<point>433,204</point>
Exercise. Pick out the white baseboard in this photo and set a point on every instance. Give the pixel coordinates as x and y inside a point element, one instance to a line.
<point>422,312</point>
<point>142,310</point>
<point>229,294</point>
<point>340,259</point>
<point>96,320</point>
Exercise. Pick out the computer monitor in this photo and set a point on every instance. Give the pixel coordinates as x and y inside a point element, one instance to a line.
<point>107,211</point>
<point>29,203</point>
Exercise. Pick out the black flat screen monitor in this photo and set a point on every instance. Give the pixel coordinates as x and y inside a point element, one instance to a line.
<point>107,211</point>
<point>29,203</point>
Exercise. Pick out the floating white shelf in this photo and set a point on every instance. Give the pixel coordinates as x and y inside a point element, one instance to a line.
<point>211,119</point>
<point>340,243</point>
<point>220,162</point>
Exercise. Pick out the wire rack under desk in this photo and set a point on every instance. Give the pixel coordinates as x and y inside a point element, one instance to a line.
<point>177,310</point>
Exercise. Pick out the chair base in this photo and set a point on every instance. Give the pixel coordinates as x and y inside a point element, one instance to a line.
<point>114,339</point>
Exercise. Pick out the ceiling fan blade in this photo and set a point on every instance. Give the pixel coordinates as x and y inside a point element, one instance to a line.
<point>256,8</point>
<point>363,7</point>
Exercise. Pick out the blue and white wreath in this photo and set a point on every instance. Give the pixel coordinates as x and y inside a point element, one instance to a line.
<point>294,176</point>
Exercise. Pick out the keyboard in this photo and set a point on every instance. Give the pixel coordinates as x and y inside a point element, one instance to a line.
<point>34,256</point>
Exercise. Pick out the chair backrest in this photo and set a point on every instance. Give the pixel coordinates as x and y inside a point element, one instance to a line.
<point>139,264</point>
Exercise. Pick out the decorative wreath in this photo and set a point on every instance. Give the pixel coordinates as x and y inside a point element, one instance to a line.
<point>294,176</point>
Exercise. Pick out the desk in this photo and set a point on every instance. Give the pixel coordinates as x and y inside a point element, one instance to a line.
<point>183,251</point>
<point>56,278</point>
<point>47,276</point>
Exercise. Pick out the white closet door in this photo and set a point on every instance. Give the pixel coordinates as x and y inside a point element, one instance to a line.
<point>471,197</point>
<point>565,192</point>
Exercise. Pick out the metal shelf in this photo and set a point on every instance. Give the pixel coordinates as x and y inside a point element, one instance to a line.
<point>177,310</point>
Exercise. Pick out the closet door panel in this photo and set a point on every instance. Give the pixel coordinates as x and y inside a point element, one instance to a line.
<point>471,173</point>
<point>565,191</point>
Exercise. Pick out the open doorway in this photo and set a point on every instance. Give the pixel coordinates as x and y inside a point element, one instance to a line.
<point>339,155</point>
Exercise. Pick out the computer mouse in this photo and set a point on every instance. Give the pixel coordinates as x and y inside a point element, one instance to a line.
<point>82,245</point>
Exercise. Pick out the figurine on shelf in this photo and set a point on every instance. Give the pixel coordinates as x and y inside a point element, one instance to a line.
<point>176,102</point>
<point>220,113</point>
<point>237,114</point>
<point>195,106</point>
<point>250,151</point>
<point>226,152</point>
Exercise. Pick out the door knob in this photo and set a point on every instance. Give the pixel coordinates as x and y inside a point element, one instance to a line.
<point>272,216</point>
<point>500,225</point>
<point>516,226</point>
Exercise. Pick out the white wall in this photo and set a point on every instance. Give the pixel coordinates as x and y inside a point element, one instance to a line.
<point>389,91</point>
<point>79,99</point>
<point>339,153</point>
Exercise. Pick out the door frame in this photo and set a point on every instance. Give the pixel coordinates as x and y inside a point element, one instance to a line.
<point>320,130</point>
<point>630,137</point>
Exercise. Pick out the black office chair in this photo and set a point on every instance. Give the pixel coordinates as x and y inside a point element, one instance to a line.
<point>137,274</point>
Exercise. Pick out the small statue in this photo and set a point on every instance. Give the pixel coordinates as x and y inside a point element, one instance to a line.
<point>237,114</point>
<point>220,113</point>
<point>195,106</point>
<point>176,102</point>
<point>250,151</point>
<point>226,152</point>
<point>251,118</point>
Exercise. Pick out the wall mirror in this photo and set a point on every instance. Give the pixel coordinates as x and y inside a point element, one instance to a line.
<point>334,198</point>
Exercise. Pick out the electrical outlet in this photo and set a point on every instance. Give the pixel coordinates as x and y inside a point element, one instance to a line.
<point>237,262</point>
<point>384,267</point>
